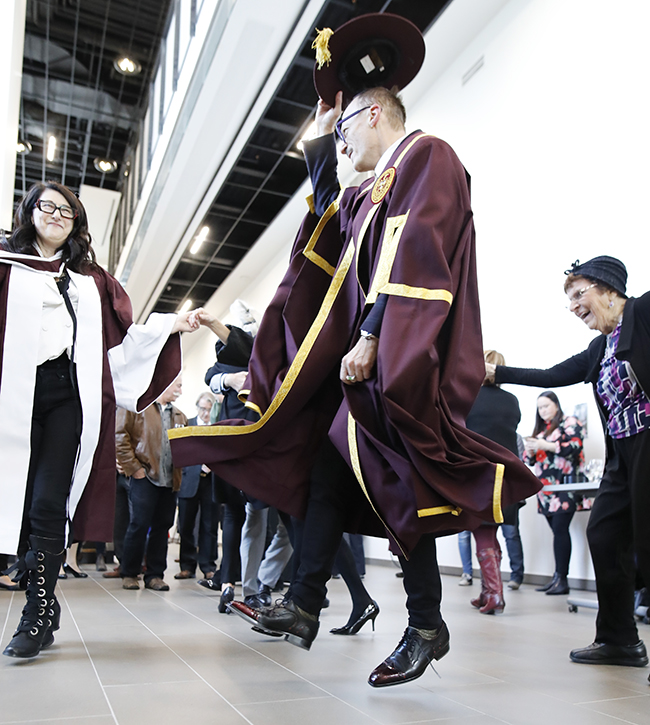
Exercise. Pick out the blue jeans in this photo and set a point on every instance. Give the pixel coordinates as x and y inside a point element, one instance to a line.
<point>465,549</point>
<point>515,551</point>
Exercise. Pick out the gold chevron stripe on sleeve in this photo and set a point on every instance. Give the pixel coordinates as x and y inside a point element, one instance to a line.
<point>308,251</point>
<point>393,228</point>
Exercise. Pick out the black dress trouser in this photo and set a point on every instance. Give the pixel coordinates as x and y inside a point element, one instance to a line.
<point>618,530</point>
<point>56,430</point>
<point>334,492</point>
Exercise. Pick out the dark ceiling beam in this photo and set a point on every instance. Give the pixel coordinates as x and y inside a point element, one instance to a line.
<point>278,126</point>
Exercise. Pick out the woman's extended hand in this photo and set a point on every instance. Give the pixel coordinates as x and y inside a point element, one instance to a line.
<point>186,322</point>
<point>213,323</point>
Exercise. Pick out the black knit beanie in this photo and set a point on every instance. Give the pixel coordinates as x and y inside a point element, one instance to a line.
<point>605,269</point>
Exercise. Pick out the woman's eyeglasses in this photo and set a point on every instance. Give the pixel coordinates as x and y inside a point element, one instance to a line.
<point>577,296</point>
<point>49,207</point>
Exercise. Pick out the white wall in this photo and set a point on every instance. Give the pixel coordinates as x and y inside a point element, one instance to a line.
<point>554,131</point>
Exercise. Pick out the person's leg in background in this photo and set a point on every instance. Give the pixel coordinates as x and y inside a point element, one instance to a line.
<point>158,539</point>
<point>560,522</point>
<point>515,553</point>
<point>143,498</point>
<point>188,510</point>
<point>465,551</point>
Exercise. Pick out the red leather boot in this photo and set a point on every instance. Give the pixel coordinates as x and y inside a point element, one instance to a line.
<point>492,595</point>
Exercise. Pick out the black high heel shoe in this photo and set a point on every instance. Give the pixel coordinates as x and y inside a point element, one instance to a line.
<point>369,614</point>
<point>75,573</point>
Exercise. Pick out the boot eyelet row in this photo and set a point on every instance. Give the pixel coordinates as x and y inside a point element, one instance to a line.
<point>40,569</point>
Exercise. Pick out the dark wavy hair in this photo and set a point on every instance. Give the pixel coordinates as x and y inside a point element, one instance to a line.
<point>540,424</point>
<point>77,251</point>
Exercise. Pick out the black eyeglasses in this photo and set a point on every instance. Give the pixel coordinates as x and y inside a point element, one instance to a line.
<point>49,207</point>
<point>339,124</point>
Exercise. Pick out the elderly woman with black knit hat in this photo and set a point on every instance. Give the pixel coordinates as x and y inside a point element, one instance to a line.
<point>617,364</point>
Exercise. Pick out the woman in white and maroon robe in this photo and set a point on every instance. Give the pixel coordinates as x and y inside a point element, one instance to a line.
<point>69,354</point>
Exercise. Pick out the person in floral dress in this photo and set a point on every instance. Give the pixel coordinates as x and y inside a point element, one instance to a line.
<point>555,452</point>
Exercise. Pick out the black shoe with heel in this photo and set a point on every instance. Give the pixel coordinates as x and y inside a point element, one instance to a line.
<point>76,573</point>
<point>369,614</point>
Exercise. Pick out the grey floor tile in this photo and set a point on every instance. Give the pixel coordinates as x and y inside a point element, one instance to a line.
<point>147,658</point>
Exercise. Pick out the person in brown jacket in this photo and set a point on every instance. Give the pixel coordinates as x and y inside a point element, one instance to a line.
<point>143,451</point>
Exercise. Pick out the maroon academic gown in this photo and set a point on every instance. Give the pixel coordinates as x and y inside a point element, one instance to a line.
<point>139,361</point>
<point>408,235</point>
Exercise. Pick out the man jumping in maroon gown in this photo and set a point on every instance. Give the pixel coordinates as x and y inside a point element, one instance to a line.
<point>369,358</point>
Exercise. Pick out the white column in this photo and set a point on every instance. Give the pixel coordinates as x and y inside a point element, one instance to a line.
<point>11,72</point>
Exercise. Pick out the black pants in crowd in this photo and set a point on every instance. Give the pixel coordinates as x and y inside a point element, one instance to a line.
<point>559,523</point>
<point>201,550</point>
<point>55,435</point>
<point>333,492</point>
<point>618,530</point>
<point>121,520</point>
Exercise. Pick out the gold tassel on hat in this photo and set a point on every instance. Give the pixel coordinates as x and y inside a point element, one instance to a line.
<point>320,45</point>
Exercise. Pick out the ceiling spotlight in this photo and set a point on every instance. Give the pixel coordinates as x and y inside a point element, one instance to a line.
<point>200,238</point>
<point>187,305</point>
<point>51,148</point>
<point>105,166</point>
<point>127,66</point>
<point>23,147</point>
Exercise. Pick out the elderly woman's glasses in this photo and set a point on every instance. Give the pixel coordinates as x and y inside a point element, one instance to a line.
<point>49,207</point>
<point>577,296</point>
<point>339,124</point>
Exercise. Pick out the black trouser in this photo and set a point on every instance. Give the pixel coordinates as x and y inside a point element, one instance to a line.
<point>56,430</point>
<point>234,515</point>
<point>205,551</point>
<point>333,493</point>
<point>559,523</point>
<point>618,528</point>
<point>122,516</point>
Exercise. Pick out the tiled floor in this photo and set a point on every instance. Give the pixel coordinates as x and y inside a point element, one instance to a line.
<point>145,657</point>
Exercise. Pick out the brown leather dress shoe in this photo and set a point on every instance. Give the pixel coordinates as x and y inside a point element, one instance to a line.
<point>599,653</point>
<point>157,584</point>
<point>185,574</point>
<point>288,619</point>
<point>411,657</point>
<point>113,573</point>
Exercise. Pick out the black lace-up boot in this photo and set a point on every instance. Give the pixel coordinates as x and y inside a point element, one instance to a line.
<point>42,612</point>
